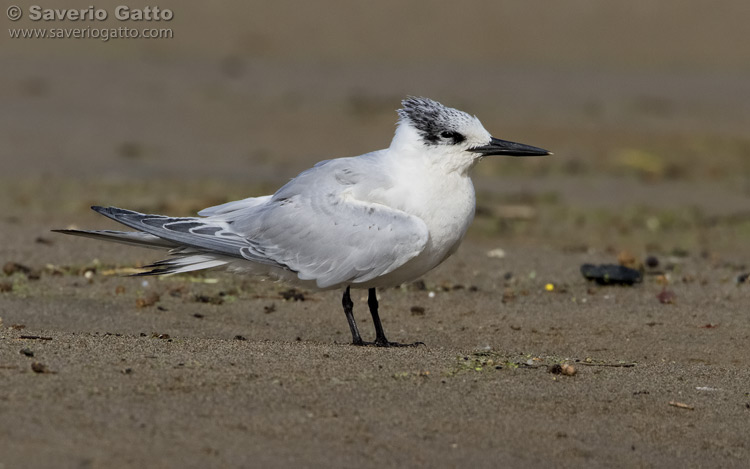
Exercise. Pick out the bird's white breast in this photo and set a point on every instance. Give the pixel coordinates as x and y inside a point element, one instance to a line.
<point>445,202</point>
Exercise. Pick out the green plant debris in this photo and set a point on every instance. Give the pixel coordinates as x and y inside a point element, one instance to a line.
<point>411,374</point>
<point>489,361</point>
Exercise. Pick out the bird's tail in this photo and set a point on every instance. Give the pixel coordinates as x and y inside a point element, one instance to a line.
<point>133,238</point>
<point>190,241</point>
<point>183,260</point>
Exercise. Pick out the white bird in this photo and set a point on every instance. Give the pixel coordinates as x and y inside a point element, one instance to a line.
<point>369,221</point>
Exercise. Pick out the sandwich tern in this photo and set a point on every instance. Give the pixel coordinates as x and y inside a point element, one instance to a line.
<point>375,220</point>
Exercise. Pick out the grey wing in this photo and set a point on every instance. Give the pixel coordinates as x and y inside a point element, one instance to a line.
<point>229,207</point>
<point>336,239</point>
<point>320,226</point>
<point>316,227</point>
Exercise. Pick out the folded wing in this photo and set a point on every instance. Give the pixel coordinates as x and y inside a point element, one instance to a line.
<point>323,235</point>
<point>334,238</point>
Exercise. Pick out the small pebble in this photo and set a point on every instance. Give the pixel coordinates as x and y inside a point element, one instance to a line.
<point>37,367</point>
<point>666,296</point>
<point>150,300</point>
<point>564,369</point>
<point>292,294</point>
<point>625,258</point>
<point>496,253</point>
<point>11,268</point>
<point>27,351</point>
<point>568,369</point>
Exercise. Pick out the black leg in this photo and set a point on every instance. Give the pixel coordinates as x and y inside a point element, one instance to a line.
<point>372,302</point>
<point>346,301</point>
<point>380,340</point>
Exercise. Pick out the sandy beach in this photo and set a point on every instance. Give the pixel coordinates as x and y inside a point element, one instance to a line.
<point>525,362</point>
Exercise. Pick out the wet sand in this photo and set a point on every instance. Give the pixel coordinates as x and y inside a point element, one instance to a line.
<point>651,158</point>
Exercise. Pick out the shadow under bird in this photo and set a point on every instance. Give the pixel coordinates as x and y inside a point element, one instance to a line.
<point>369,221</point>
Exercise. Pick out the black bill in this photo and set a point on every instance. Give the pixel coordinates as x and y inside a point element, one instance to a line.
<point>504,147</point>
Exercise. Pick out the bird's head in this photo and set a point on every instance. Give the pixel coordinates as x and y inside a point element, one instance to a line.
<point>450,136</point>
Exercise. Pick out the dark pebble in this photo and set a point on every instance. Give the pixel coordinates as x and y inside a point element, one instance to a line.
<point>417,311</point>
<point>652,262</point>
<point>37,367</point>
<point>11,268</point>
<point>214,300</point>
<point>419,285</point>
<point>27,351</point>
<point>240,337</point>
<point>292,294</point>
<point>611,274</point>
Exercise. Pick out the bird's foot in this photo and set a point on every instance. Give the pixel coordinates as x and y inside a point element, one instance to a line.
<point>385,343</point>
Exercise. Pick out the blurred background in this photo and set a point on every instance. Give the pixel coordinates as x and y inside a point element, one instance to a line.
<point>645,105</point>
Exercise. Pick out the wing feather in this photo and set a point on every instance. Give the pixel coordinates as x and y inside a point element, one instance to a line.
<point>325,225</point>
<point>185,231</point>
<point>339,240</point>
<point>229,207</point>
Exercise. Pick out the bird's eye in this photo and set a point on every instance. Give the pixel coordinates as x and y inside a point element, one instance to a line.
<point>454,137</point>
